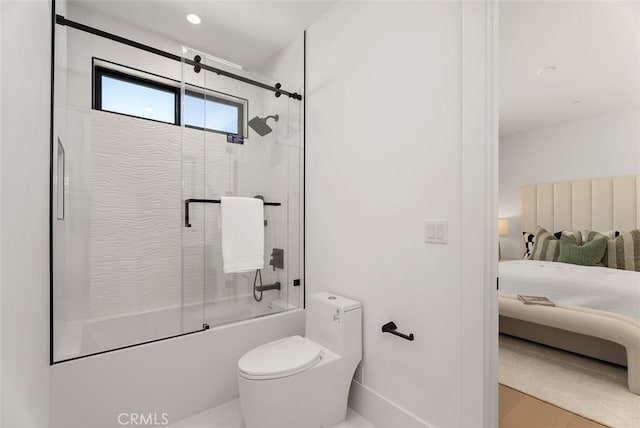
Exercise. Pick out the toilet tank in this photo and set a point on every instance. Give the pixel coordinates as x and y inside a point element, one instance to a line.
<point>335,322</point>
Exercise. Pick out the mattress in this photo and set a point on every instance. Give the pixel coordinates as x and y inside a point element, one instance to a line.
<point>593,287</point>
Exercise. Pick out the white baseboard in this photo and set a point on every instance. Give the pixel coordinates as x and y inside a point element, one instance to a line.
<point>380,411</point>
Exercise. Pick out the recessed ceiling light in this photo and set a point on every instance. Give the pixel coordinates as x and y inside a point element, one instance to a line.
<point>193,18</point>
<point>545,70</point>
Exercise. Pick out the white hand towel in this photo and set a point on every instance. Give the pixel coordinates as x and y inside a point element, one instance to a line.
<point>242,234</point>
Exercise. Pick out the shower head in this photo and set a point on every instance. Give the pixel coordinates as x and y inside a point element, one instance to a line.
<point>259,124</point>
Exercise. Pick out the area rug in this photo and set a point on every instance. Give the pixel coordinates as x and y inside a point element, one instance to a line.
<point>590,388</point>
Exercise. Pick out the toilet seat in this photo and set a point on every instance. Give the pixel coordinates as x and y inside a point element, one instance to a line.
<point>281,358</point>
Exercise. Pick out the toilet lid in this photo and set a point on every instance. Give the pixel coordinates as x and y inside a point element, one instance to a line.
<point>286,356</point>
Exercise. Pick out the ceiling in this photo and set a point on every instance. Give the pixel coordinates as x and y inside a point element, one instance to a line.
<point>595,47</point>
<point>247,32</point>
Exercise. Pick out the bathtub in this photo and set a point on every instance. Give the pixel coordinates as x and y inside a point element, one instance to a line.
<point>86,337</point>
<point>178,377</point>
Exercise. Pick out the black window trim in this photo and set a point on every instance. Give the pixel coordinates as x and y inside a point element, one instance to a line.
<point>99,70</point>
<point>206,96</point>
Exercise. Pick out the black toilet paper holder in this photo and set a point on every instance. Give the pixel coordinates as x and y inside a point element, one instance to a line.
<point>391,327</point>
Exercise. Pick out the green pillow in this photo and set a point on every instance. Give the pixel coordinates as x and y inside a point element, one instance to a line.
<point>590,235</point>
<point>588,254</point>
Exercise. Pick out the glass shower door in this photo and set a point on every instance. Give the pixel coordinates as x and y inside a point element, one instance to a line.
<point>224,155</point>
<point>116,199</point>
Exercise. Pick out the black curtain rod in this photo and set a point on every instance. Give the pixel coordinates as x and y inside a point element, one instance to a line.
<point>61,20</point>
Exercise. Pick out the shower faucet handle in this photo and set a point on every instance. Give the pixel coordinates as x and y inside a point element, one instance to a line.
<point>277,258</point>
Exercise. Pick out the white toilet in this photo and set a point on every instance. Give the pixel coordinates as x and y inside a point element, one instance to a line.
<point>304,381</point>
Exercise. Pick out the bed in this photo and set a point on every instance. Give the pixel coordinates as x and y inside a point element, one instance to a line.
<point>597,310</point>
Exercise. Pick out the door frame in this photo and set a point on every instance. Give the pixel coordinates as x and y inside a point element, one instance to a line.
<point>479,157</point>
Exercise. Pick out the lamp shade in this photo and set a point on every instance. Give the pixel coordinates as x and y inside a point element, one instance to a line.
<point>503,226</point>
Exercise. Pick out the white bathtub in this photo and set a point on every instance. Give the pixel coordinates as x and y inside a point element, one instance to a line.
<point>86,337</point>
<point>178,377</point>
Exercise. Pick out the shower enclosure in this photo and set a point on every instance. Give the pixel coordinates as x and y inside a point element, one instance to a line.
<point>144,148</point>
<point>254,158</point>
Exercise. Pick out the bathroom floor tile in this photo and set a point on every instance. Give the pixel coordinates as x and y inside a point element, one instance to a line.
<point>229,415</point>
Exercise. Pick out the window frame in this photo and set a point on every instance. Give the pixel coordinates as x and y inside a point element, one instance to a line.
<point>100,71</point>
<point>208,96</point>
<point>102,68</point>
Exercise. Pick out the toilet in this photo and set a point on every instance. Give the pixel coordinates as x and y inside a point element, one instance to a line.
<point>304,381</point>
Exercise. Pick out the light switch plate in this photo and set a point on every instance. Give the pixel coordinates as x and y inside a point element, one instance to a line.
<point>436,231</point>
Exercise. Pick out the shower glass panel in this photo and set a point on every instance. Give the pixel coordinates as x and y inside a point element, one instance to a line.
<point>222,155</point>
<point>116,199</point>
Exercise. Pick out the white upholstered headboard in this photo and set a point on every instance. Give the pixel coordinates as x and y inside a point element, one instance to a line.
<point>600,205</point>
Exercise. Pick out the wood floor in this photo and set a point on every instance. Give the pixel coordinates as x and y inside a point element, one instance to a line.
<point>518,410</point>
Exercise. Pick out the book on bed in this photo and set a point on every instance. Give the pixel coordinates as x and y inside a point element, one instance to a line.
<point>535,300</point>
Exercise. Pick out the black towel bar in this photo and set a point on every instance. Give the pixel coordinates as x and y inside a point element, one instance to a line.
<point>210,201</point>
<point>391,327</point>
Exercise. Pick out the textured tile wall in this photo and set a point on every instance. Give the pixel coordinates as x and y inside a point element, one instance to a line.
<point>139,174</point>
<point>135,215</point>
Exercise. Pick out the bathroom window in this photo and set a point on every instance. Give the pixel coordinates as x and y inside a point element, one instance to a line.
<point>118,92</point>
<point>147,96</point>
<point>213,113</point>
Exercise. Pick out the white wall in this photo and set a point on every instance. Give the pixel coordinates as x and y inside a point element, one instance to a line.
<point>24,226</point>
<point>597,147</point>
<point>1,216</point>
<point>385,151</point>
